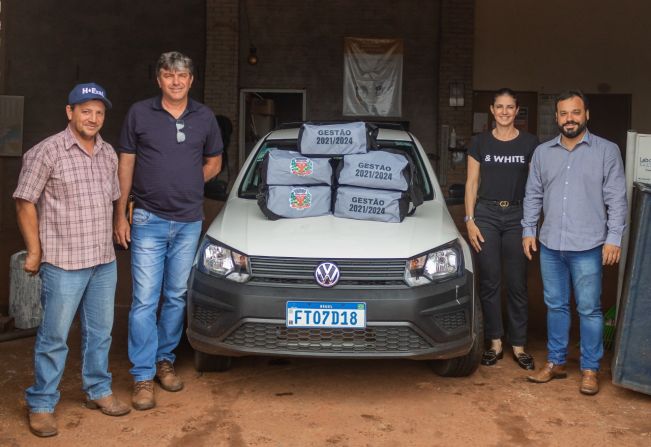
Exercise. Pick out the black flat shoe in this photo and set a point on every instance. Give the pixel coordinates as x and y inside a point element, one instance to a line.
<point>524,360</point>
<point>491,357</point>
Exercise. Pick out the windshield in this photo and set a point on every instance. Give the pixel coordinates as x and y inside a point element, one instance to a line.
<point>250,184</point>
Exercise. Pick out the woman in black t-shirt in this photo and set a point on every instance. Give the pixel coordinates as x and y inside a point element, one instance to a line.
<point>498,164</point>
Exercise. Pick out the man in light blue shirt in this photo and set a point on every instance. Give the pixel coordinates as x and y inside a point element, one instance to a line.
<point>578,181</point>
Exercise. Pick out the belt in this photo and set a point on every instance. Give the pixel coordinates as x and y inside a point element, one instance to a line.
<point>500,203</point>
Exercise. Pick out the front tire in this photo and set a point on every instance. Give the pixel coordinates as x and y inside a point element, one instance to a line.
<point>211,363</point>
<point>467,364</point>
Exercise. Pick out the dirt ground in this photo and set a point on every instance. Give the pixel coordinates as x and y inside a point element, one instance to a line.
<point>336,403</point>
<point>302,402</point>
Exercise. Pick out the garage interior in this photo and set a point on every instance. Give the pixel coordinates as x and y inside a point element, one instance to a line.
<point>536,48</point>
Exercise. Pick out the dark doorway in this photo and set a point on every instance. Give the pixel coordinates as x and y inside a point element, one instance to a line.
<point>610,117</point>
<point>262,110</point>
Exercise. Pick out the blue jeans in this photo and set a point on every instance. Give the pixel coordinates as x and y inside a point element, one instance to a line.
<point>162,252</point>
<point>583,269</point>
<point>92,291</point>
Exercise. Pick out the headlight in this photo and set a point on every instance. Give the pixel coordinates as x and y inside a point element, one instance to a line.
<point>218,260</point>
<point>435,266</point>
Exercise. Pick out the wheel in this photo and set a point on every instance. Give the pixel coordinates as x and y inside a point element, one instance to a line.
<point>467,364</point>
<point>209,363</point>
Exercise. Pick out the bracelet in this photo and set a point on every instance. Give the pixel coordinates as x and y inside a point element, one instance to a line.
<point>468,218</point>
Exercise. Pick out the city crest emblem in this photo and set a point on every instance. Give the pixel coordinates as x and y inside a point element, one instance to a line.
<point>302,166</point>
<point>300,199</point>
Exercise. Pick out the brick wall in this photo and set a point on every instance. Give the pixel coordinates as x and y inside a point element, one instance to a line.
<point>456,65</point>
<point>222,64</point>
<point>3,64</point>
<point>300,46</point>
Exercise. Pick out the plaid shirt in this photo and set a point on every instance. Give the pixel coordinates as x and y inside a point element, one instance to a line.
<point>74,193</point>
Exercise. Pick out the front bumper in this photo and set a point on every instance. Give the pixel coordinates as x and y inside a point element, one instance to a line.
<point>428,322</point>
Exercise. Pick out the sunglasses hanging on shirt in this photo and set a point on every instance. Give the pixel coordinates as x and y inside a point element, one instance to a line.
<point>180,136</point>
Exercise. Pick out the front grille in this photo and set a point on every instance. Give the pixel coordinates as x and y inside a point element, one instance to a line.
<point>451,321</point>
<point>206,316</point>
<point>354,273</point>
<point>277,337</point>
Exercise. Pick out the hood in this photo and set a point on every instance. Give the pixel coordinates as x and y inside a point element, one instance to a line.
<point>242,226</point>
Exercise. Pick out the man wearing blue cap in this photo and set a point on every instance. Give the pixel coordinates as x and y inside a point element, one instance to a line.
<point>64,203</point>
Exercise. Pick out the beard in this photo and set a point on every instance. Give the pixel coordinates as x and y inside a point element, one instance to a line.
<point>580,127</point>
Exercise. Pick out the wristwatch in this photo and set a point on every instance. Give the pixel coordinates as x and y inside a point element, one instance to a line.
<point>467,218</point>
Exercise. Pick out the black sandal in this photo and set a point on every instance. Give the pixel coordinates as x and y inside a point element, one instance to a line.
<point>491,357</point>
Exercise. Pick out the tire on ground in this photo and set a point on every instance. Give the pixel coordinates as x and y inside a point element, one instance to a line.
<point>211,363</point>
<point>467,364</point>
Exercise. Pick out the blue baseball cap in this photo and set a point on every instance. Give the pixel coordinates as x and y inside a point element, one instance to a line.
<point>86,92</point>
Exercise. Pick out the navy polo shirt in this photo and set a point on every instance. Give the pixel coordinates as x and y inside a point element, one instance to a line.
<point>168,176</point>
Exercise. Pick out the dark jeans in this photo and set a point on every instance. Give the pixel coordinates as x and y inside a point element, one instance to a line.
<point>502,250</point>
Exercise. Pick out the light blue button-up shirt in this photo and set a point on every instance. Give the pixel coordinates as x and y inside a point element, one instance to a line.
<point>582,193</point>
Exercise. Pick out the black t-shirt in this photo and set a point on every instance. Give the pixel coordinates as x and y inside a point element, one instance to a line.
<point>504,164</point>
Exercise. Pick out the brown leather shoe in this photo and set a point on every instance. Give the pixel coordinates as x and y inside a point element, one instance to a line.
<point>547,373</point>
<point>110,405</point>
<point>589,382</point>
<point>43,424</point>
<point>143,395</point>
<point>167,377</point>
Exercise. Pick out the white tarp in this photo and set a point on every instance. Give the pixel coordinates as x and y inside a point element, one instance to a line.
<point>373,77</point>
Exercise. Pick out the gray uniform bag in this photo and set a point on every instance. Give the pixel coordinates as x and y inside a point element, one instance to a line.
<point>371,204</point>
<point>375,169</point>
<point>336,139</point>
<point>383,169</point>
<point>277,201</point>
<point>281,167</point>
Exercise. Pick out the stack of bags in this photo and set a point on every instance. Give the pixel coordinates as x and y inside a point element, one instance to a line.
<point>294,185</point>
<point>338,170</point>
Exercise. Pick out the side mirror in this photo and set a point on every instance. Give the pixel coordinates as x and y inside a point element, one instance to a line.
<point>456,194</point>
<point>216,189</point>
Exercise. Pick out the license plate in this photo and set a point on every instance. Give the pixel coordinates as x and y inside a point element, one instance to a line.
<point>307,314</point>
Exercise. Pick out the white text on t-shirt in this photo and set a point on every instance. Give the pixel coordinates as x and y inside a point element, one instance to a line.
<point>506,158</point>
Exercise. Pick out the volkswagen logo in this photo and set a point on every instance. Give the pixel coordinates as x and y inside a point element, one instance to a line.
<point>326,274</point>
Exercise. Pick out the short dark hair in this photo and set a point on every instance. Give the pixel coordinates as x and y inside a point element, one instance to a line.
<point>506,92</point>
<point>567,94</point>
<point>174,61</point>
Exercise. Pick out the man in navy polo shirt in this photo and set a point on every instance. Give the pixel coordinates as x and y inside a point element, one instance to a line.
<point>170,145</point>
